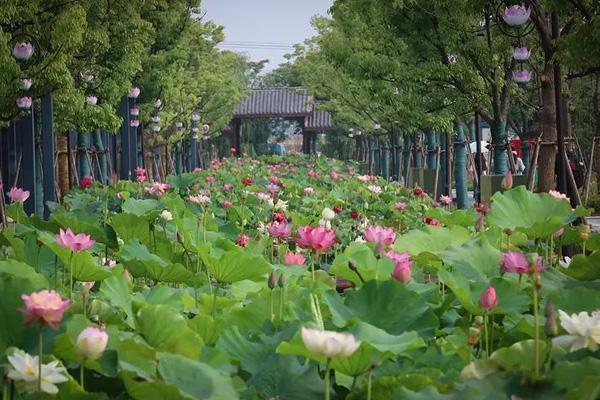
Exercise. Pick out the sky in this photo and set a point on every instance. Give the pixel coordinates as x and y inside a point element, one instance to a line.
<point>265,29</point>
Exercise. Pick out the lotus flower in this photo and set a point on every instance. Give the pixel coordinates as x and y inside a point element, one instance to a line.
<point>445,200</point>
<point>242,240</point>
<point>232,151</point>
<point>308,191</point>
<point>75,243</point>
<point>380,235</point>
<point>516,15</point>
<point>92,342</point>
<point>166,215</point>
<point>134,92</point>
<point>23,51</point>
<point>91,100</point>
<point>25,368</point>
<point>521,54</point>
<point>227,187</point>
<point>206,129</point>
<point>318,239</point>
<point>583,331</point>
<point>517,262</point>
<point>27,82</point>
<point>199,199</point>
<point>488,299</point>
<point>400,205</point>
<point>522,76</point>
<point>24,103</point>
<point>18,195</point>
<point>280,230</point>
<point>374,189</point>
<point>328,343</point>
<point>45,307</point>
<point>134,112</point>
<point>227,203</point>
<point>418,192</point>
<point>273,188</point>
<point>558,195</point>
<point>195,117</point>
<point>292,258</point>
<point>134,123</point>
<point>402,272</point>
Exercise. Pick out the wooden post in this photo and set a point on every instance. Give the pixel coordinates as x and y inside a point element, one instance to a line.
<point>448,188</point>
<point>588,177</point>
<point>48,153</point>
<point>125,155</point>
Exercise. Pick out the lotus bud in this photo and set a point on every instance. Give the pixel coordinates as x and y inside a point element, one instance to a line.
<point>24,103</point>
<point>559,233</point>
<point>23,51</point>
<point>478,320</point>
<point>584,232</point>
<point>92,342</point>
<point>507,181</point>
<point>27,82</point>
<point>352,265</point>
<point>281,280</point>
<point>272,280</point>
<point>488,299</point>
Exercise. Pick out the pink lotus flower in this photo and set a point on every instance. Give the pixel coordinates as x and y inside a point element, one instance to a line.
<point>18,195</point>
<point>280,230</point>
<point>488,299</point>
<point>274,179</point>
<point>318,239</point>
<point>76,243</point>
<point>522,76</point>
<point>400,205</point>
<point>379,235</point>
<point>445,200</point>
<point>312,173</point>
<point>91,100</point>
<point>521,54</point>
<point>24,103</point>
<point>199,199</point>
<point>273,188</point>
<point>134,123</point>
<point>92,342</point>
<point>559,233</point>
<point>558,195</point>
<point>210,180</point>
<point>227,187</point>
<point>242,240</point>
<point>517,262</point>
<point>398,257</point>
<point>516,15</point>
<point>232,151</point>
<point>23,51</point>
<point>27,82</point>
<point>335,175</point>
<point>134,92</point>
<point>402,272</point>
<point>45,307</point>
<point>507,180</point>
<point>227,204</point>
<point>292,258</point>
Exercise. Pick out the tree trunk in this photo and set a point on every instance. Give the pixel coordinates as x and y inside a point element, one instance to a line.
<point>431,153</point>
<point>63,164</point>
<point>499,140</point>
<point>460,166</point>
<point>596,99</point>
<point>83,163</point>
<point>547,158</point>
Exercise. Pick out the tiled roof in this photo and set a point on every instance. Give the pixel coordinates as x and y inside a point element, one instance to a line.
<point>283,102</point>
<point>319,120</point>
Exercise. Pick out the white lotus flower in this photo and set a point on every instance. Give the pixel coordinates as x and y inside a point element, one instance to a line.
<point>374,189</point>
<point>329,344</point>
<point>583,329</point>
<point>565,263</point>
<point>25,368</point>
<point>328,214</point>
<point>166,215</point>
<point>281,205</point>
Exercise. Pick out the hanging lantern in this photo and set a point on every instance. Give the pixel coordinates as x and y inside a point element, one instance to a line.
<point>195,130</point>
<point>206,129</point>
<point>91,100</point>
<point>452,58</point>
<point>158,103</point>
<point>24,103</point>
<point>516,15</point>
<point>156,128</point>
<point>134,123</point>
<point>134,92</point>
<point>23,51</point>
<point>521,54</point>
<point>195,117</point>
<point>134,112</point>
<point>522,77</point>
<point>156,118</point>
<point>27,82</point>
<point>178,124</point>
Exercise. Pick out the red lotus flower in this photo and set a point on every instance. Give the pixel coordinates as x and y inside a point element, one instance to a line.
<point>86,182</point>
<point>418,192</point>
<point>45,307</point>
<point>431,221</point>
<point>482,209</point>
<point>354,214</point>
<point>279,217</point>
<point>337,209</point>
<point>247,181</point>
<point>242,240</point>
<point>318,239</point>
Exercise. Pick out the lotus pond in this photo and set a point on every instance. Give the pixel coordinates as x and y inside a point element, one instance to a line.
<point>297,278</point>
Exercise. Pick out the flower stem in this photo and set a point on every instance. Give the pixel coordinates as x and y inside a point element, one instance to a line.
<point>271,301</point>
<point>312,268</point>
<point>81,374</point>
<point>370,384</point>
<point>281,301</point>
<point>71,276</point>
<point>536,318</point>
<point>41,353</point>
<point>214,304</point>
<point>328,380</point>
<point>485,330</point>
